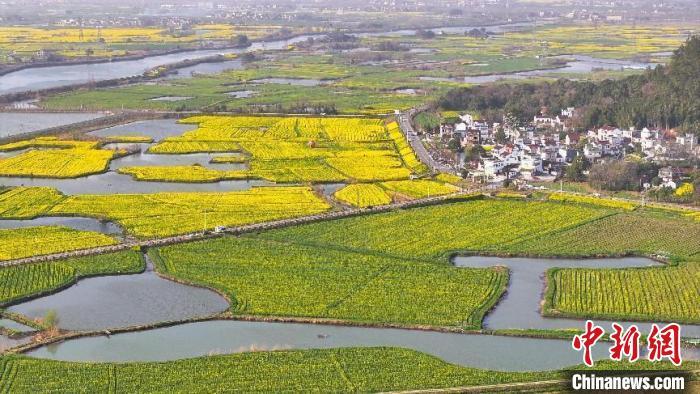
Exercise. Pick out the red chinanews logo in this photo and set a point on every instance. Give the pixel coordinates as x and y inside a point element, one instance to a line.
<point>662,343</point>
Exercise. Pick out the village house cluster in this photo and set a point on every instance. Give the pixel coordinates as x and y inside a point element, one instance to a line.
<point>545,146</point>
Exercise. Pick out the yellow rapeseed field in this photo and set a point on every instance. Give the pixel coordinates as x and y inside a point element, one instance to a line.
<point>165,214</point>
<point>292,150</point>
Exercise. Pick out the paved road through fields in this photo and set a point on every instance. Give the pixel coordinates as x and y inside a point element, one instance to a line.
<point>404,120</point>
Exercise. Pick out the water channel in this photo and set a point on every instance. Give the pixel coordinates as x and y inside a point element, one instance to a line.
<point>54,76</point>
<point>124,300</point>
<point>14,123</point>
<point>474,350</point>
<point>579,64</point>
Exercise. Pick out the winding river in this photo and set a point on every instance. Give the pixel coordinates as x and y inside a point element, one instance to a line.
<point>57,76</point>
<point>519,309</point>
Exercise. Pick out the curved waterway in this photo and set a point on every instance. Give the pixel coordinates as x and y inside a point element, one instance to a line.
<point>520,306</point>
<point>55,76</point>
<point>124,300</point>
<point>214,337</point>
<point>222,337</point>
<point>519,309</point>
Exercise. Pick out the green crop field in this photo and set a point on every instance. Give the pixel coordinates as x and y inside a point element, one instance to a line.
<point>640,233</point>
<point>264,277</point>
<point>545,229</point>
<point>435,231</point>
<point>17,282</point>
<point>331,370</point>
<point>661,294</point>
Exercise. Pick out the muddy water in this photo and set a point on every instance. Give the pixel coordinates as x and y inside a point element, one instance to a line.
<point>122,301</point>
<point>520,307</point>
<point>13,325</point>
<point>9,343</point>
<point>113,183</point>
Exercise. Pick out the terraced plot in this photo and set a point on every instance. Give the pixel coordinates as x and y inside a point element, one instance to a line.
<point>27,202</point>
<point>638,233</point>
<point>419,188</point>
<point>405,150</point>
<point>192,174</point>
<point>363,195</point>
<point>605,202</point>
